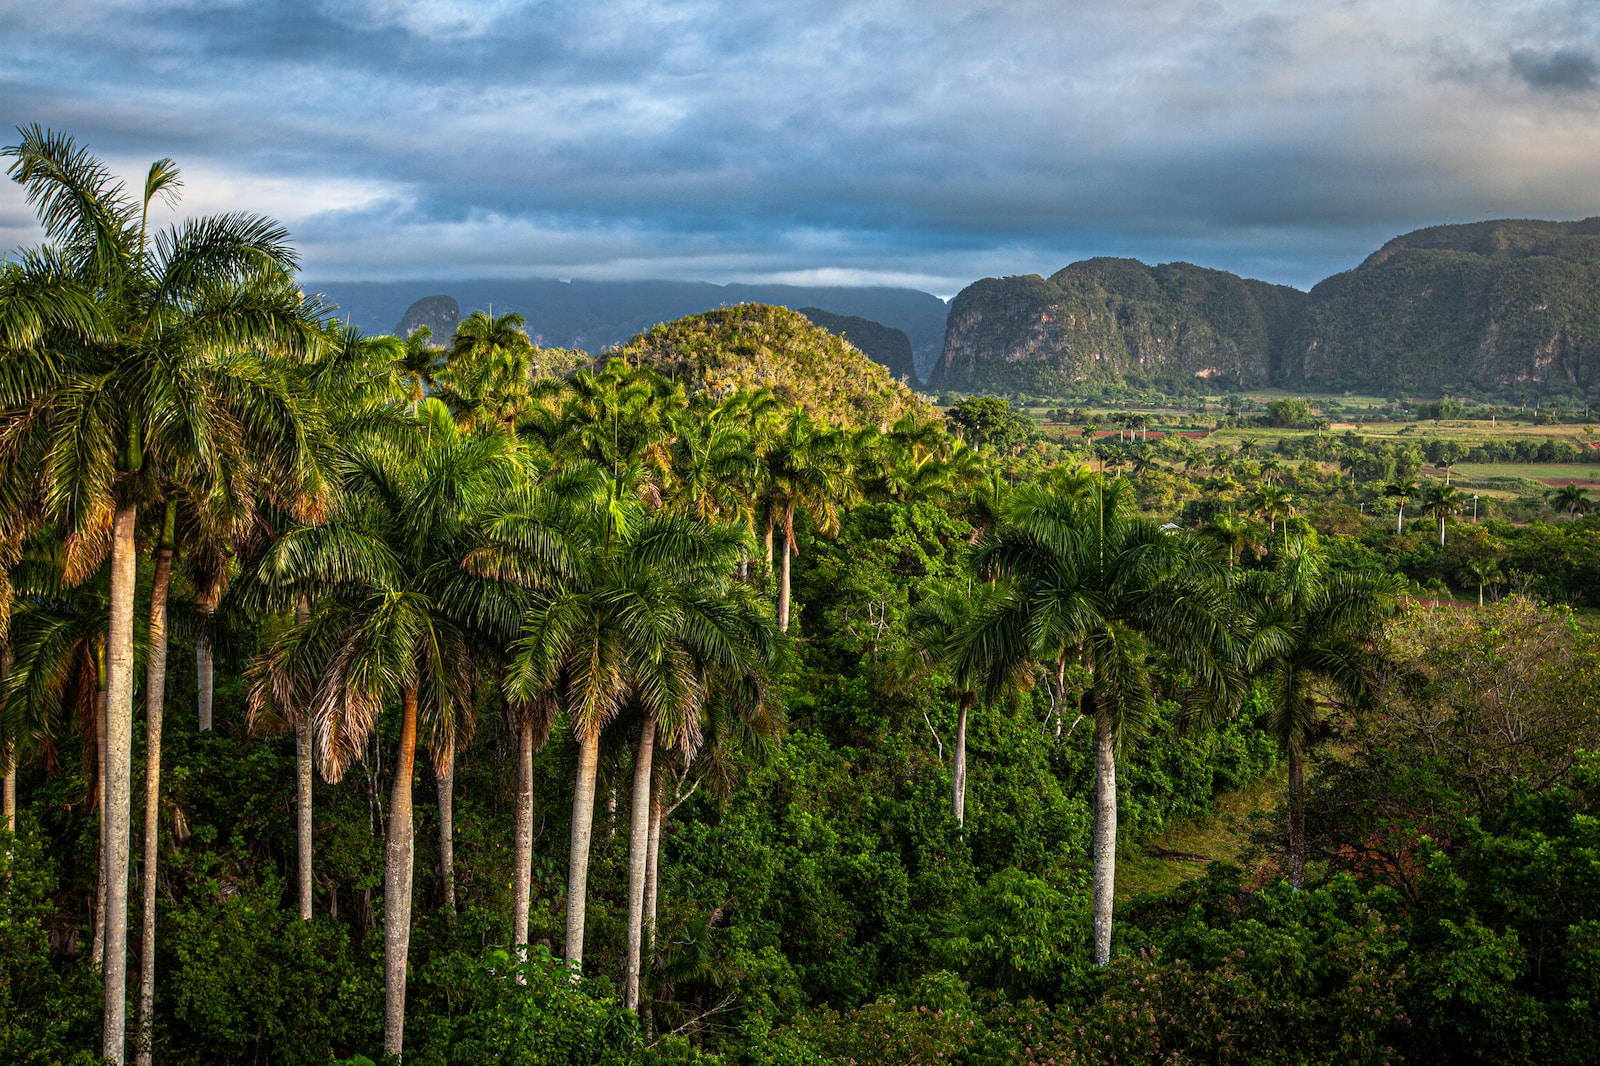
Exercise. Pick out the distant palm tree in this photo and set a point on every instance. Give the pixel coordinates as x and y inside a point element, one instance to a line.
<point>1235,534</point>
<point>806,468</point>
<point>1481,572</point>
<point>1400,492</point>
<point>1441,501</point>
<point>1571,497</point>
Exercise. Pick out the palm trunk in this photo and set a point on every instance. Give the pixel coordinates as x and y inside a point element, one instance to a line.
<point>1400,517</point>
<point>303,752</point>
<point>204,663</point>
<point>958,775</point>
<point>119,757</point>
<point>155,694</point>
<point>1105,830</point>
<point>767,540</point>
<point>1480,594</point>
<point>398,861</point>
<point>783,586</point>
<point>638,852</point>
<point>578,860</point>
<point>302,814</point>
<point>1297,820</point>
<point>445,778</point>
<point>97,945</point>
<point>8,790</point>
<point>652,870</point>
<point>1441,531</point>
<point>522,851</point>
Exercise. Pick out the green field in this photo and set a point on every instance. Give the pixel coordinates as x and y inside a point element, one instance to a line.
<point>1582,473</point>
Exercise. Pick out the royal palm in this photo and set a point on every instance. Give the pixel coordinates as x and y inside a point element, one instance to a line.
<point>160,370</point>
<point>1081,578</point>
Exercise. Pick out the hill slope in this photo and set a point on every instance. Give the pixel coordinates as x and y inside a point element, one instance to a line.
<point>1104,320</point>
<point>1490,305</point>
<point>884,345</point>
<point>755,346</point>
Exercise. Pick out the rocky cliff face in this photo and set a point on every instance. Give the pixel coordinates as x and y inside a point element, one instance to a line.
<point>1490,307</point>
<point>1105,320</point>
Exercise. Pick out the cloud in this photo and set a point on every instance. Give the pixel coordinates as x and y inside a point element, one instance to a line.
<point>1563,71</point>
<point>886,139</point>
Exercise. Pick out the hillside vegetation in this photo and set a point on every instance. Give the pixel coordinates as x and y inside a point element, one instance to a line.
<point>1490,307</point>
<point>757,346</point>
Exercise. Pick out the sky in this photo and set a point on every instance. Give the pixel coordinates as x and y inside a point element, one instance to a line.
<point>923,143</point>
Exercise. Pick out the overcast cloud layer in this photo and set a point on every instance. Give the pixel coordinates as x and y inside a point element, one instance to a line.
<point>868,141</point>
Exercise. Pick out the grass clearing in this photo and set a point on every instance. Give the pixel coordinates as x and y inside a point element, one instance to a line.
<point>1175,854</point>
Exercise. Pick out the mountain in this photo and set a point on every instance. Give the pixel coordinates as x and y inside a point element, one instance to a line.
<point>441,314</point>
<point>1108,320</point>
<point>884,345</point>
<point>1484,307</point>
<point>595,315</point>
<point>753,346</point>
<point>1511,304</point>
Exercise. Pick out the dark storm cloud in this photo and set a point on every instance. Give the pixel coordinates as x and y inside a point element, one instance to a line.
<point>1564,70</point>
<point>925,142</point>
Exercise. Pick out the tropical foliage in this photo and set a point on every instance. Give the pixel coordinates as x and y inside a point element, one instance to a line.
<point>767,721</point>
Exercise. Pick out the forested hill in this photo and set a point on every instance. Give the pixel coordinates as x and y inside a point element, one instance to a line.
<point>597,314</point>
<point>1109,320</point>
<point>1490,306</point>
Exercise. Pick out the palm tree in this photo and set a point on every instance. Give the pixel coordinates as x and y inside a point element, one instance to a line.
<point>1083,578</point>
<point>1441,501</point>
<point>1481,572</point>
<point>1308,628</point>
<point>1571,497</point>
<point>622,630</point>
<point>157,372</point>
<point>1235,534</point>
<point>1400,492</point>
<point>396,617</point>
<point>806,468</point>
<point>933,627</point>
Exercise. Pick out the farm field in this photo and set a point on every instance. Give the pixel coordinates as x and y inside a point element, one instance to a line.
<point>1553,474</point>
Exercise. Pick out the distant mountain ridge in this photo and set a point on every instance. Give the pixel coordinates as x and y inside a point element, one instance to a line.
<point>594,315</point>
<point>1490,306</point>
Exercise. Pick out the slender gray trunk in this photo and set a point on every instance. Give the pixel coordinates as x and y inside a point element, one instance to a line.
<point>155,694</point>
<point>303,753</point>
<point>398,860</point>
<point>1400,518</point>
<point>783,587</point>
<point>652,870</point>
<point>1105,832</point>
<point>97,945</point>
<point>119,758</point>
<point>445,778</point>
<point>638,851</point>
<point>1297,820</point>
<point>578,859</point>
<point>302,813</point>
<point>522,850</point>
<point>204,663</point>
<point>958,775</point>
